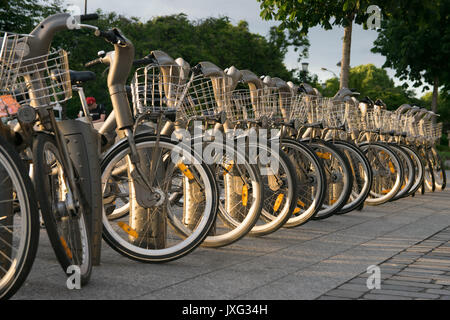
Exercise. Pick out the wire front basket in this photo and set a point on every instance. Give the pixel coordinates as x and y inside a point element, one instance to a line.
<point>370,120</point>
<point>333,113</point>
<point>155,88</point>
<point>205,97</point>
<point>12,49</point>
<point>44,81</point>
<point>353,118</point>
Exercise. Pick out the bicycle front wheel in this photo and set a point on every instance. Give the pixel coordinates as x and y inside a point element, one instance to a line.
<point>440,179</point>
<point>19,222</point>
<point>387,172</point>
<point>64,217</point>
<point>173,225</point>
<point>362,175</point>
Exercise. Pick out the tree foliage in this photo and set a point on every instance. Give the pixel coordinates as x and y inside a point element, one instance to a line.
<point>375,83</point>
<point>418,46</point>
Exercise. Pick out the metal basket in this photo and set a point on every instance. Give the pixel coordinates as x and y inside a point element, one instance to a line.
<point>437,132</point>
<point>44,81</point>
<point>333,113</point>
<point>13,48</point>
<point>370,120</point>
<point>387,123</point>
<point>314,110</point>
<point>205,97</point>
<point>299,109</point>
<point>353,117</point>
<point>157,87</point>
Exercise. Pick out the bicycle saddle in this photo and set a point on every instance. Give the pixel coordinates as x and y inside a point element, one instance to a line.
<point>344,92</point>
<point>209,69</point>
<point>185,68</point>
<point>162,58</point>
<point>235,76</point>
<point>251,79</point>
<point>294,88</point>
<point>268,82</point>
<point>308,89</point>
<point>281,85</point>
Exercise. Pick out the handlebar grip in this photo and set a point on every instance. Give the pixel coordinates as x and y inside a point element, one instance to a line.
<point>108,35</point>
<point>93,62</point>
<point>89,16</point>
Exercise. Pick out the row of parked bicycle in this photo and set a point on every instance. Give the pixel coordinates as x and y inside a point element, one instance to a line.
<point>189,163</point>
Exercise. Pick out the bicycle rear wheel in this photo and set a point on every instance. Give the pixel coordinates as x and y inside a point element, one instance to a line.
<point>19,222</point>
<point>66,226</point>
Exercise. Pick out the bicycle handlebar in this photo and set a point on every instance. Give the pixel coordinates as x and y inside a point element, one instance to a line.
<point>93,62</point>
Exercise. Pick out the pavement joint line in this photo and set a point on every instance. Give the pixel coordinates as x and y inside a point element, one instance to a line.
<point>313,264</point>
<point>401,269</point>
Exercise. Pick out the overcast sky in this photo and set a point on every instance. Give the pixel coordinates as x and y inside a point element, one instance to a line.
<point>326,46</point>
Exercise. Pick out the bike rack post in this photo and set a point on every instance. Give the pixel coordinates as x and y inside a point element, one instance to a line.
<point>84,145</point>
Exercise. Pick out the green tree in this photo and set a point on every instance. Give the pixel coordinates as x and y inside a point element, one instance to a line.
<point>22,15</point>
<point>304,14</point>
<point>375,83</point>
<point>417,45</point>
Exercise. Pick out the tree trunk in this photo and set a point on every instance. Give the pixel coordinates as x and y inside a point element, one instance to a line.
<point>345,62</point>
<point>434,100</point>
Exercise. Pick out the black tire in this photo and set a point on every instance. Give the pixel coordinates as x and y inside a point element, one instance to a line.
<point>383,160</point>
<point>362,178</point>
<point>428,181</point>
<point>280,193</point>
<point>311,181</point>
<point>338,174</point>
<point>409,172</point>
<point>190,242</point>
<point>12,276</point>
<point>235,219</point>
<point>419,169</point>
<point>68,233</point>
<point>440,179</point>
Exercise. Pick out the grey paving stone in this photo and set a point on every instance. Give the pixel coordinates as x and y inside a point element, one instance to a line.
<point>400,288</point>
<point>332,298</point>
<point>411,279</point>
<point>409,294</point>
<point>345,293</point>
<point>376,296</point>
<point>412,284</point>
<point>355,287</point>
<point>440,292</point>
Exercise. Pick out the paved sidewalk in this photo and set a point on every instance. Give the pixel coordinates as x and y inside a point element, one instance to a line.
<point>323,259</point>
<point>420,272</point>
